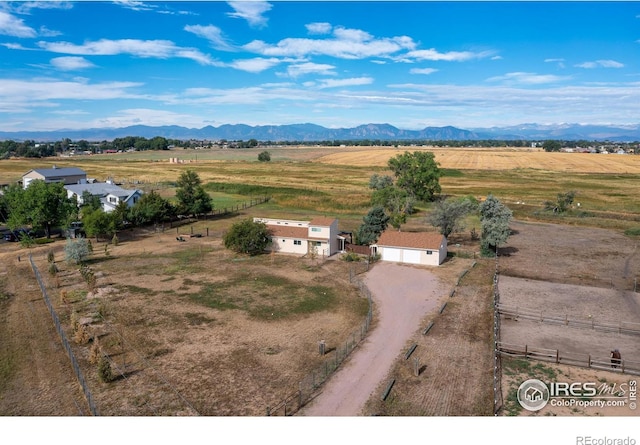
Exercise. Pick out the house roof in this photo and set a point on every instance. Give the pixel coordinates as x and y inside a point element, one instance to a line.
<point>98,189</point>
<point>322,221</point>
<point>58,172</point>
<point>288,231</point>
<point>412,240</point>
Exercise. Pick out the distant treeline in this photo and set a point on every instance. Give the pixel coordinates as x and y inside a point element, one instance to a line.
<point>33,149</point>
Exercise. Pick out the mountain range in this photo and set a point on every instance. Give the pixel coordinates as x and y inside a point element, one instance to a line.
<point>311,132</point>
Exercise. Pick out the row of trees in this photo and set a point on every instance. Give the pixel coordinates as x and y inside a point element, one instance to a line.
<point>416,179</point>
<point>44,206</point>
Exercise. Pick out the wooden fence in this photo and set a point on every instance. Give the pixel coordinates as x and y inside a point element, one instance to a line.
<point>568,358</point>
<point>620,327</point>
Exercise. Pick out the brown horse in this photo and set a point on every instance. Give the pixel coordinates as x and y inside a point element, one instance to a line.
<point>616,358</point>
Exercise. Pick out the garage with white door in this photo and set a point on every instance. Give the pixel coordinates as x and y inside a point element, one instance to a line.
<point>391,254</point>
<point>422,248</point>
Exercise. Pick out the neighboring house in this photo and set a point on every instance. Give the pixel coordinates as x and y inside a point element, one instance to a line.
<point>425,248</point>
<point>66,175</point>
<point>110,194</point>
<point>302,237</point>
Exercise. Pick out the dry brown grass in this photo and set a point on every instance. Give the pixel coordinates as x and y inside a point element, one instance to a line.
<point>497,159</point>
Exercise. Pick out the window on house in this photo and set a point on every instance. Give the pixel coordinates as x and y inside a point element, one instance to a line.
<point>318,243</point>
<point>429,252</point>
<point>316,229</point>
<point>297,242</point>
<point>113,199</point>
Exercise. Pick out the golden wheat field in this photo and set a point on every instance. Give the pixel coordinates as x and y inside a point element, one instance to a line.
<point>496,159</point>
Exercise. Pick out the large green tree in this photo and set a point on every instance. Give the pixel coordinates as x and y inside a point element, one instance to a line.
<point>552,145</point>
<point>397,203</point>
<point>97,222</point>
<point>494,221</point>
<point>247,236</point>
<point>191,196</point>
<point>417,173</point>
<point>41,205</point>
<point>373,224</point>
<point>151,208</point>
<point>448,214</point>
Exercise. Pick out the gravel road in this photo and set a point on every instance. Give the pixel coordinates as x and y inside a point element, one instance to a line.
<point>402,296</point>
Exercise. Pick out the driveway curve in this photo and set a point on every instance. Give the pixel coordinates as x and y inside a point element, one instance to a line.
<point>402,296</point>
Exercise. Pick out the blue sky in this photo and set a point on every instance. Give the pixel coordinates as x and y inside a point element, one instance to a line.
<point>337,64</point>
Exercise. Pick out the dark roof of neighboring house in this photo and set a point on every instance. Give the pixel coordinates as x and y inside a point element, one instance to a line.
<point>57,172</point>
<point>288,231</point>
<point>322,221</point>
<point>411,240</point>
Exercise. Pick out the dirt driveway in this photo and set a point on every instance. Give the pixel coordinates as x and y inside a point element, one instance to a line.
<point>402,296</point>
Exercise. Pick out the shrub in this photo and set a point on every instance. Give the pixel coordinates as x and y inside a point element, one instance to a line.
<point>51,257</point>
<point>247,236</point>
<point>77,250</point>
<point>351,256</point>
<point>264,156</point>
<point>105,373</point>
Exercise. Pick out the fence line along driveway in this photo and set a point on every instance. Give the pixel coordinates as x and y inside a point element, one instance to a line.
<point>402,296</point>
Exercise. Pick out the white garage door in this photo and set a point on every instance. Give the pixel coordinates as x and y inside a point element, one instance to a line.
<point>390,254</point>
<point>411,256</point>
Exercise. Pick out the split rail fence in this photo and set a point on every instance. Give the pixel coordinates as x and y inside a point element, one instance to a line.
<point>568,358</point>
<point>620,327</point>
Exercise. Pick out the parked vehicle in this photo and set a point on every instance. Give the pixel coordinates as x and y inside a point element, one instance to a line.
<point>16,235</point>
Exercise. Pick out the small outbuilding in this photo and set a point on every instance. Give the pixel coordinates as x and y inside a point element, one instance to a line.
<point>423,248</point>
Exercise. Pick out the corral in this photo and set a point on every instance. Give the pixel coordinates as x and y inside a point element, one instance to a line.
<point>567,296</point>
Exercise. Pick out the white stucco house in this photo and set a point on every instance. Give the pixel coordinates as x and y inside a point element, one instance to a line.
<point>65,175</point>
<point>423,248</point>
<point>301,237</point>
<point>110,194</point>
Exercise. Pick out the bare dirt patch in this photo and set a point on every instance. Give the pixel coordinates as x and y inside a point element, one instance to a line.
<point>190,328</point>
<point>581,273</point>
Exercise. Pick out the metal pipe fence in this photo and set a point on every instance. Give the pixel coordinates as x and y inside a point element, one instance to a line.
<point>498,400</point>
<point>63,339</point>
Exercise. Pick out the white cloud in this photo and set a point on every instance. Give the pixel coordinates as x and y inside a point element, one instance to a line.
<point>527,78</point>
<point>451,56</point>
<point>319,28</point>
<point>26,7</point>
<point>345,44</point>
<point>145,116</point>
<point>17,46</point>
<point>46,32</point>
<point>558,61</point>
<point>161,49</point>
<point>36,92</point>
<point>337,83</point>
<point>300,69</point>
<point>15,27</point>
<point>422,70</point>
<point>600,64</point>
<point>212,33</point>
<point>71,63</point>
<point>251,11</point>
<point>135,5</point>
<point>256,65</point>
